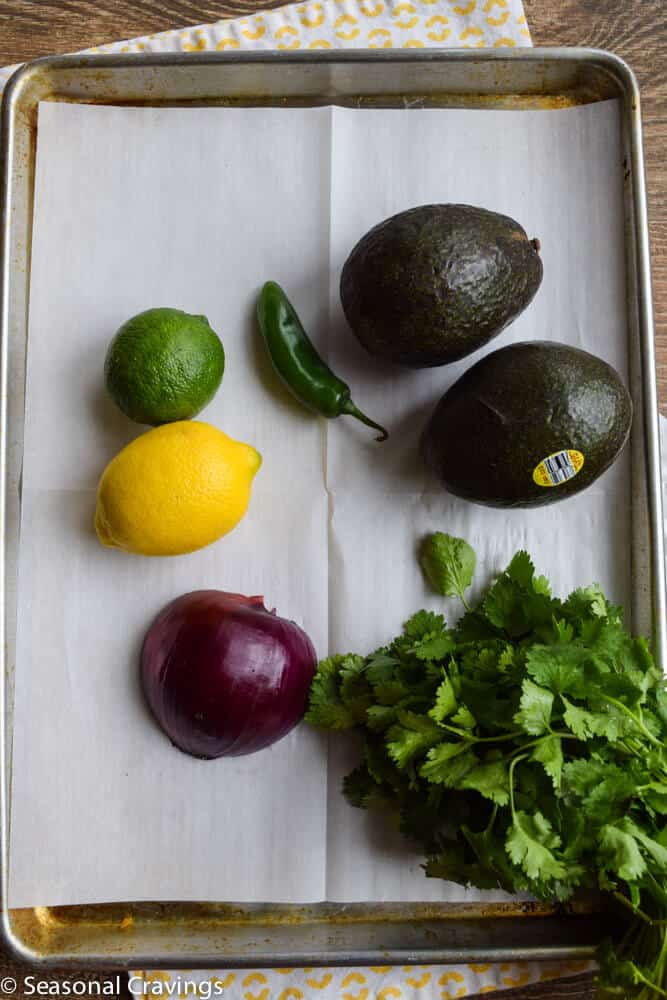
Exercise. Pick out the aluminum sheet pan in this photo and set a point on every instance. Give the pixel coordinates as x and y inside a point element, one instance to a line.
<point>205,935</point>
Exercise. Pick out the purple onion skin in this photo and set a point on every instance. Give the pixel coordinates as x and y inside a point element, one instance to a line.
<point>223,675</point>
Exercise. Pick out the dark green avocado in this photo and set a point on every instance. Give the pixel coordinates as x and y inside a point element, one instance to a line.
<point>527,425</point>
<point>432,284</point>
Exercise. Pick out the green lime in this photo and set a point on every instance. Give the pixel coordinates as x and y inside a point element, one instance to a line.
<point>164,365</point>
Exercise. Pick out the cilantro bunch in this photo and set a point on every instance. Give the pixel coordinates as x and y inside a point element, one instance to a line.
<point>524,748</point>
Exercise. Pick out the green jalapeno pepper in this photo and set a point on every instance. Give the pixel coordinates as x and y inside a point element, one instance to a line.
<point>297,362</point>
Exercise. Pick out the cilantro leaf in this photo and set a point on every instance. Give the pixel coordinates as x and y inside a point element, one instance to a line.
<point>475,627</point>
<point>646,664</point>
<point>653,848</point>
<point>463,718</point>
<point>521,570</point>
<point>542,586</point>
<point>326,709</point>
<point>503,606</point>
<point>530,844</point>
<point>383,672</point>
<point>448,564</point>
<point>421,818</point>
<point>450,864</point>
<point>391,692</point>
<point>623,689</point>
<point>445,701</point>
<point>492,705</point>
<point>381,667</point>
<point>447,763</point>
<point>423,624</point>
<point>655,797</point>
<point>411,737</point>
<point>489,849</point>
<point>579,721</point>
<point>381,717</point>
<point>558,667</point>
<point>583,774</point>
<point>609,800</point>
<point>612,725</point>
<point>549,753</point>
<point>586,603</point>
<point>516,609</point>
<point>507,661</point>
<point>434,646</point>
<point>491,780</point>
<point>534,715</point>
<point>578,837</point>
<point>359,787</point>
<point>661,702</point>
<point>607,722</point>
<point>602,789</point>
<point>564,631</point>
<point>619,853</point>
<point>355,691</point>
<point>380,767</point>
<point>619,976</point>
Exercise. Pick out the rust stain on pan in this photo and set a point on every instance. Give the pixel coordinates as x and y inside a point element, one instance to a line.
<point>221,914</point>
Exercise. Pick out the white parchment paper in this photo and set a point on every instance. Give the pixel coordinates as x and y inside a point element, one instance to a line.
<point>140,207</point>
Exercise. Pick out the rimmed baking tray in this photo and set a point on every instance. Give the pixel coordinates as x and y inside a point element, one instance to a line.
<point>202,935</point>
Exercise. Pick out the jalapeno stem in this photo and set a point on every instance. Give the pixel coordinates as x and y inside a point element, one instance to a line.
<point>354,411</point>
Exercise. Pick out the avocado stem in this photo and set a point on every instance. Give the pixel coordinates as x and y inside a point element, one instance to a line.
<point>354,411</point>
<point>536,245</point>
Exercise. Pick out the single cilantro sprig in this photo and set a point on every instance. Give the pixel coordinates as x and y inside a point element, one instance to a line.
<point>448,564</point>
<point>524,748</point>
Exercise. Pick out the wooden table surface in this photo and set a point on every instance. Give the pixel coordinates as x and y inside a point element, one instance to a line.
<point>635,30</point>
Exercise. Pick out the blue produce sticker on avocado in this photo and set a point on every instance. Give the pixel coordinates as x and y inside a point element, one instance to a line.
<point>558,468</point>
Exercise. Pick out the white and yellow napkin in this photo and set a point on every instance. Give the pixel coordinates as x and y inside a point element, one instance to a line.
<point>420,982</point>
<point>349,24</point>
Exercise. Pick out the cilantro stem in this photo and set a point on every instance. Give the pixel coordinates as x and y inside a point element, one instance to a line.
<point>636,912</point>
<point>507,738</point>
<point>471,738</point>
<point>541,739</point>
<point>493,818</point>
<point>517,760</point>
<point>653,987</point>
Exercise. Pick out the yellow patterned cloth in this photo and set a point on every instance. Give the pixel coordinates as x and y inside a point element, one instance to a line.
<point>419,982</point>
<point>359,24</point>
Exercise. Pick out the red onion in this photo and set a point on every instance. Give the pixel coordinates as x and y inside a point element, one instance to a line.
<point>223,675</point>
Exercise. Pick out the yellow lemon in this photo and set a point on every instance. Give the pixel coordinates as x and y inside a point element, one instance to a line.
<point>174,489</point>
